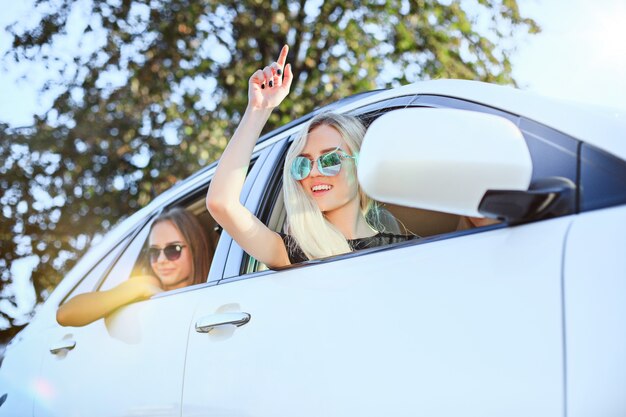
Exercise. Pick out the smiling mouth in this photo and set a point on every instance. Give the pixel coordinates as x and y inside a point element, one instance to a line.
<point>321,187</point>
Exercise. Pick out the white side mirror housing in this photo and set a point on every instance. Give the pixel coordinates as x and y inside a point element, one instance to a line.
<point>442,159</point>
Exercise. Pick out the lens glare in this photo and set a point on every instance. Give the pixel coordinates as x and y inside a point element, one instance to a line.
<point>300,168</point>
<point>329,164</point>
<point>172,252</point>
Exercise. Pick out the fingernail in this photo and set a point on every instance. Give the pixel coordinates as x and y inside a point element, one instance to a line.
<point>279,71</point>
<point>271,84</point>
<point>263,86</point>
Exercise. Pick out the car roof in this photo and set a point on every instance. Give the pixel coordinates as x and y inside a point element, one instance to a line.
<point>602,127</point>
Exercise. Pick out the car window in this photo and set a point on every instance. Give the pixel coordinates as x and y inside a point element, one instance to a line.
<point>603,179</point>
<point>391,218</point>
<point>399,219</point>
<point>135,259</point>
<point>89,282</point>
<point>128,262</point>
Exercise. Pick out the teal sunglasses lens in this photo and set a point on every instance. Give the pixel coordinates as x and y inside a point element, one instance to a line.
<point>329,164</point>
<point>300,168</point>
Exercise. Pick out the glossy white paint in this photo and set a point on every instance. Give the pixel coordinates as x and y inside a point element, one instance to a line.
<point>140,349</point>
<point>403,332</point>
<point>19,376</point>
<point>130,364</point>
<point>595,306</point>
<point>442,159</point>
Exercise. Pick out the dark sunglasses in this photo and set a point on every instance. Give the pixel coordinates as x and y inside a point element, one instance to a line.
<point>328,164</point>
<point>172,252</point>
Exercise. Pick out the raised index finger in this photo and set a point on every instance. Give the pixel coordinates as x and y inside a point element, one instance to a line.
<point>282,58</point>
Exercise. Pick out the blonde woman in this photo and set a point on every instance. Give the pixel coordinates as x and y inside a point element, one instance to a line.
<point>326,210</point>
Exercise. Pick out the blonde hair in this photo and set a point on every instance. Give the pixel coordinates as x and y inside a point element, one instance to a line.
<point>308,227</point>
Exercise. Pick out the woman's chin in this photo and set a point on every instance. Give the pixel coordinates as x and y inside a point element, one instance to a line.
<point>169,280</point>
<point>174,282</point>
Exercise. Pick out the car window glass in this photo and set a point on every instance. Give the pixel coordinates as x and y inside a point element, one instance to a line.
<point>126,263</point>
<point>89,282</point>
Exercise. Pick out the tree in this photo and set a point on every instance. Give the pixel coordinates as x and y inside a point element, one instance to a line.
<point>153,89</point>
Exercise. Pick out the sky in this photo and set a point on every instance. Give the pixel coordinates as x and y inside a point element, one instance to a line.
<point>579,55</point>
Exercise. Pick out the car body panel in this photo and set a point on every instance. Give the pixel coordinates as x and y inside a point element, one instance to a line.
<point>595,307</point>
<point>138,368</point>
<point>406,331</point>
<point>20,377</point>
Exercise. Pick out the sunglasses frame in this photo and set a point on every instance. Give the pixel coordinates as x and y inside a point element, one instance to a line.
<point>322,170</point>
<point>173,256</point>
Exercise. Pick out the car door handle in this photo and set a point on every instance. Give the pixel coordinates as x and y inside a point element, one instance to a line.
<point>63,345</point>
<point>207,323</point>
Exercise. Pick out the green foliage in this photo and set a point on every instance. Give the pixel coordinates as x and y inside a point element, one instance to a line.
<point>143,68</point>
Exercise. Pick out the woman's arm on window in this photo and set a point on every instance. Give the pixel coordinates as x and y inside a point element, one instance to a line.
<point>89,307</point>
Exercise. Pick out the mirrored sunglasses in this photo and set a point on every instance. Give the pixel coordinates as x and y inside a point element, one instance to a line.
<point>172,252</point>
<point>328,164</point>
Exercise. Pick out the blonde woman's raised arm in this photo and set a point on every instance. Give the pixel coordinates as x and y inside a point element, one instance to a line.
<point>266,89</point>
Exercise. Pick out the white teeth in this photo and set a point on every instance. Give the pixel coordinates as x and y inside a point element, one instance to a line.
<point>321,187</point>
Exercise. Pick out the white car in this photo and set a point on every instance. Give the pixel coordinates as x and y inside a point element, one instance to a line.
<point>525,317</point>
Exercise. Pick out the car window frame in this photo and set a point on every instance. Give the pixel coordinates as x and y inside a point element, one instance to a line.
<point>137,243</point>
<point>90,281</point>
<point>530,129</point>
<point>120,247</point>
<point>222,248</point>
<point>271,177</point>
<point>226,246</point>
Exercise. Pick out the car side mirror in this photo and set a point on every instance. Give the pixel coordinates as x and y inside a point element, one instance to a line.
<point>443,159</point>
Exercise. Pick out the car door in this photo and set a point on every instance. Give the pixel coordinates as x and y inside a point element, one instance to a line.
<point>20,379</point>
<point>129,363</point>
<point>466,323</point>
<point>402,331</point>
<point>594,279</point>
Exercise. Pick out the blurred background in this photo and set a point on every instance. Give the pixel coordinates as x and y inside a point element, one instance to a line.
<point>106,103</point>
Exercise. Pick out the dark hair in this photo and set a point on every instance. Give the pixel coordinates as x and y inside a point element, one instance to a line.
<point>196,237</point>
